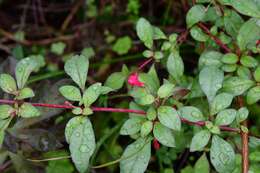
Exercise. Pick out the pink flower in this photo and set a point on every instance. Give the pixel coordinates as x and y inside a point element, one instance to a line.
<point>156,144</point>
<point>134,81</point>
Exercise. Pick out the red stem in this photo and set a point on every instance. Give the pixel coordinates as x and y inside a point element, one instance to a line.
<point>103,109</point>
<point>144,63</point>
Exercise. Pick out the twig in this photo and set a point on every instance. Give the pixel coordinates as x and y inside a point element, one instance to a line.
<point>5,165</point>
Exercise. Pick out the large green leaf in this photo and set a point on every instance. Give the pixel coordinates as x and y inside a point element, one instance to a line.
<point>200,140</point>
<point>71,125</point>
<point>220,102</point>
<point>210,58</point>
<point>191,113</point>
<point>82,145</point>
<point>202,165</point>
<point>210,79</point>
<point>164,135</point>
<point>248,7</point>
<point>77,69</point>
<point>145,32</point>
<point>70,92</point>
<point>132,125</point>
<point>226,117</point>
<point>169,117</point>
<point>195,14</point>
<point>7,83</point>
<point>222,155</point>
<point>115,80</point>
<point>136,156</point>
<point>253,95</point>
<point>175,65</point>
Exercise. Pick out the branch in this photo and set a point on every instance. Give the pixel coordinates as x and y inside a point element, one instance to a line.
<point>103,109</point>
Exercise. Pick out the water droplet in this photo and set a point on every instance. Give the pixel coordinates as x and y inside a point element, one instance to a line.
<point>77,134</point>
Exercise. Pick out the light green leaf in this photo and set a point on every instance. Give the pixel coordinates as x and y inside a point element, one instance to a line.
<point>242,114</point>
<point>132,126</point>
<point>58,48</point>
<point>200,140</point>
<point>136,156</point>
<point>253,95</point>
<point>5,111</point>
<point>88,52</point>
<point>2,137</point>
<point>202,165</point>
<point>164,135</point>
<point>210,58</point>
<point>91,94</point>
<point>115,80</point>
<point>70,92</point>
<point>122,45</point>
<point>210,79</point>
<point>158,34</point>
<point>77,69</point>
<point>198,34</point>
<point>27,110</point>
<point>146,100</point>
<point>222,155</point>
<point>169,117</point>
<point>248,7</point>
<point>195,14</point>
<point>191,113</point>
<point>149,82</point>
<point>230,58</point>
<point>175,65</point>
<point>243,72</point>
<point>248,61</point>
<point>145,32</point>
<point>257,74</point>
<point>25,93</point>
<point>220,102</point>
<point>151,113</point>
<point>72,125</point>
<point>166,90</point>
<point>237,85</point>
<point>225,117</point>
<point>7,83</point>
<point>82,145</point>
<point>146,128</point>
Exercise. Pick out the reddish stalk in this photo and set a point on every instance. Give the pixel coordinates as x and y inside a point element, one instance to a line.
<point>145,63</point>
<point>103,109</point>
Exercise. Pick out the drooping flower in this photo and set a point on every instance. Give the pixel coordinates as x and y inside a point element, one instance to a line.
<point>156,144</point>
<point>134,81</point>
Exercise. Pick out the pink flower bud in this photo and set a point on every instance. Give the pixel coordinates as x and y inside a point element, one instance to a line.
<point>156,144</point>
<point>134,81</point>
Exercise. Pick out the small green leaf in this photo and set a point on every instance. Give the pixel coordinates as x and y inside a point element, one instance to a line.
<point>169,117</point>
<point>77,111</point>
<point>210,58</point>
<point>149,82</point>
<point>220,102</point>
<point>191,113</point>
<point>222,155</point>
<point>77,69</point>
<point>88,52</point>
<point>5,111</point>
<point>122,45</point>
<point>146,128</point>
<point>237,85</point>
<point>195,14</point>
<point>257,74</point>
<point>229,58</point>
<point>229,68</point>
<point>71,125</point>
<point>166,90</point>
<point>145,32</point>
<point>200,140</point>
<point>91,94</point>
<point>202,165</point>
<point>198,34</point>
<point>25,93</point>
<point>164,135</point>
<point>248,61</point>
<point>27,110</point>
<point>7,83</point>
<point>242,114</point>
<point>87,111</point>
<point>243,72</point>
<point>70,92</point>
<point>210,79</point>
<point>253,95</point>
<point>58,48</point>
<point>158,34</point>
<point>132,126</point>
<point>225,117</point>
<point>82,145</point>
<point>136,156</point>
<point>146,100</point>
<point>151,113</point>
<point>175,65</point>
<point>115,80</point>
<point>248,7</point>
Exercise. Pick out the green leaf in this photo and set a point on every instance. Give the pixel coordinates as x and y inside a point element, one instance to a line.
<point>146,128</point>
<point>210,79</point>
<point>151,113</point>
<point>248,34</point>
<point>200,140</point>
<point>242,114</point>
<point>237,85</point>
<point>70,92</point>
<point>77,69</point>
<point>82,145</point>
<point>230,58</point>
<point>58,48</point>
<point>122,45</point>
<point>145,32</point>
<point>220,102</point>
<point>202,165</point>
<point>5,111</point>
<point>132,126</point>
<point>27,110</point>
<point>25,93</point>
<point>248,7</point>
<point>115,80</point>
<point>71,125</point>
<point>195,14</point>
<point>210,58</point>
<point>222,155</point>
<point>149,82</point>
<point>23,70</point>
<point>158,34</point>
<point>229,68</point>
<point>88,52</point>
<point>191,113</point>
<point>91,94</point>
<point>136,156</point>
<point>2,137</point>
<point>225,117</point>
<point>253,95</point>
<point>166,90</point>
<point>198,34</point>
<point>164,135</point>
<point>7,83</point>
<point>243,72</point>
<point>169,117</point>
<point>257,74</point>
<point>248,61</point>
<point>146,100</point>
<point>175,65</point>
